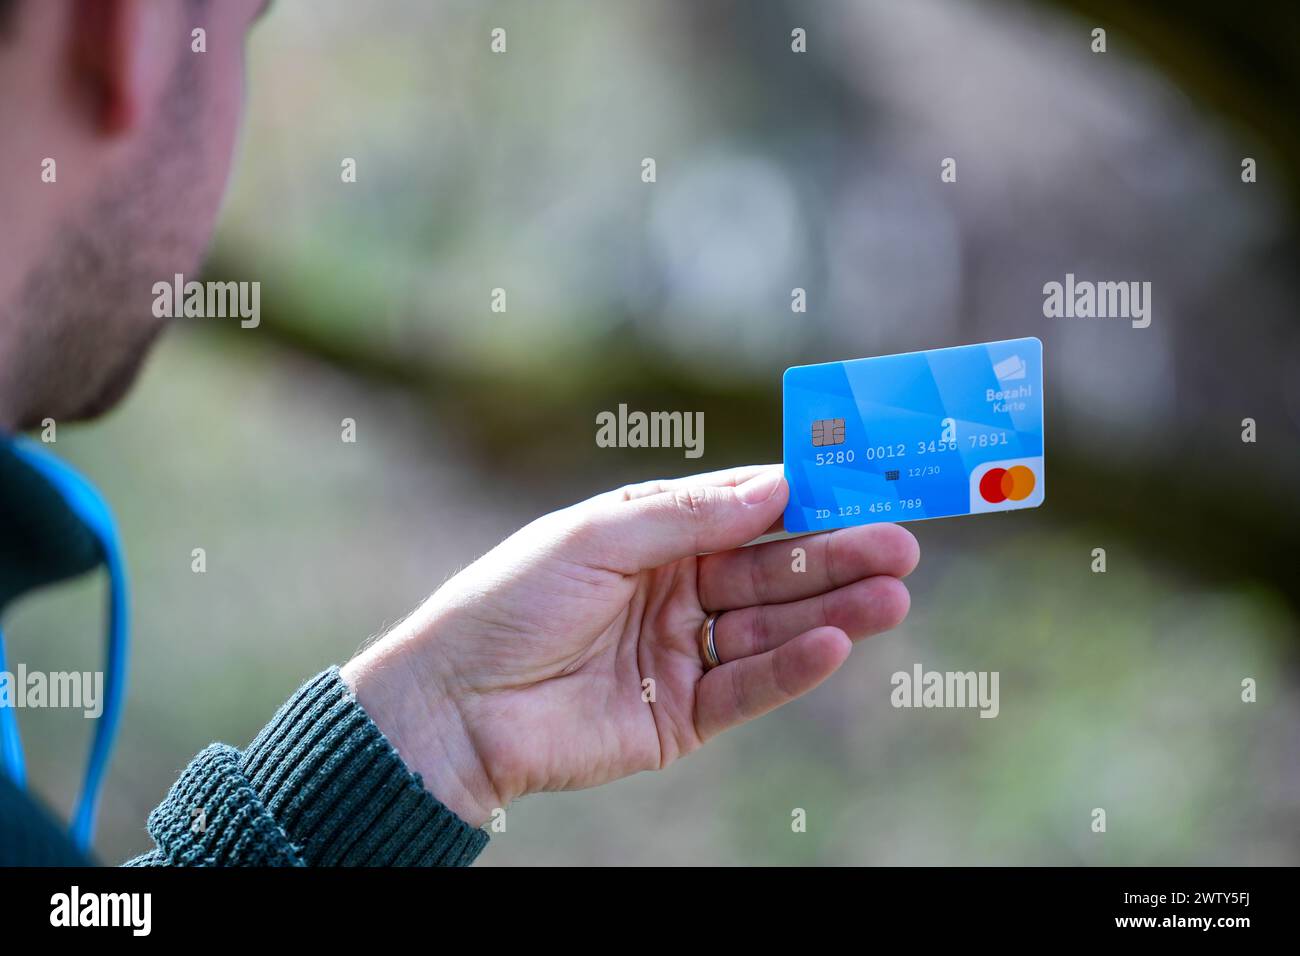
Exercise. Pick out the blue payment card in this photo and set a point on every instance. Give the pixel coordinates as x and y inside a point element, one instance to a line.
<point>951,431</point>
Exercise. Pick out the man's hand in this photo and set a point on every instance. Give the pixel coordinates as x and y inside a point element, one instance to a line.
<point>524,672</point>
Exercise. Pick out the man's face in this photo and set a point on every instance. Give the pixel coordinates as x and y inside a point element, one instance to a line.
<point>141,127</point>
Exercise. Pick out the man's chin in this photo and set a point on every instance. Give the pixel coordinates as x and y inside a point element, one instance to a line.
<point>109,392</point>
<point>119,382</point>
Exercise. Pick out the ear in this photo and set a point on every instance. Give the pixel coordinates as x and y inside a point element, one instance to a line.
<point>122,56</point>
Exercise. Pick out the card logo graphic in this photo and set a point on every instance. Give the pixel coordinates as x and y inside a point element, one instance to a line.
<point>1010,369</point>
<point>1004,485</point>
<point>828,431</point>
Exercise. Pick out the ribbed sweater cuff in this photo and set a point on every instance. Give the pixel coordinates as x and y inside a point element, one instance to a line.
<point>212,817</point>
<point>320,786</point>
<point>341,793</point>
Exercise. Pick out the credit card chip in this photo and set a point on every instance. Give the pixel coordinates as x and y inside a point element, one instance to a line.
<point>828,431</point>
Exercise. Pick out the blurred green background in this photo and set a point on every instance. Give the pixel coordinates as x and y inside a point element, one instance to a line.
<point>775,170</point>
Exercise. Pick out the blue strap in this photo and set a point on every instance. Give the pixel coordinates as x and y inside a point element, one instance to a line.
<point>11,743</point>
<point>94,512</point>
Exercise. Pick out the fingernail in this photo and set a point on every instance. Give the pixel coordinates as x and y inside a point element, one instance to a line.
<point>759,488</point>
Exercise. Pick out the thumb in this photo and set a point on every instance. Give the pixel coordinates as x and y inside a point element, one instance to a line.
<point>687,519</point>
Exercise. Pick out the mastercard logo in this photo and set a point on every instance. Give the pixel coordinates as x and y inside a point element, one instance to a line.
<point>1007,484</point>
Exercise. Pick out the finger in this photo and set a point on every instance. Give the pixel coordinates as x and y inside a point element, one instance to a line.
<point>682,519</point>
<point>742,690</point>
<point>723,478</point>
<point>764,574</point>
<point>859,610</point>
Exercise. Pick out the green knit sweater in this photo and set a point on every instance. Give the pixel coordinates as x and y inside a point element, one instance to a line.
<point>319,786</point>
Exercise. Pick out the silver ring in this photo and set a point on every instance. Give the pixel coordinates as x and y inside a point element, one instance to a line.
<point>708,646</point>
